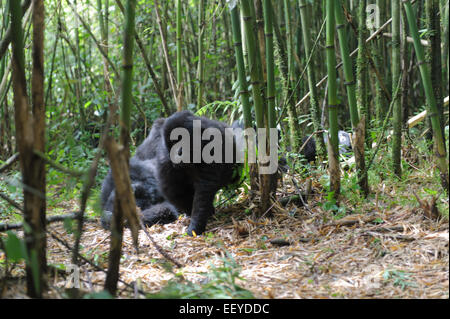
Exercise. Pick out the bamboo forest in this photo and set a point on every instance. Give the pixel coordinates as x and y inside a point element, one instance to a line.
<point>263,150</point>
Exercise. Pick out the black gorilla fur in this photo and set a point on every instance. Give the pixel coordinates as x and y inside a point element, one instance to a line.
<point>155,209</point>
<point>309,151</point>
<point>189,187</point>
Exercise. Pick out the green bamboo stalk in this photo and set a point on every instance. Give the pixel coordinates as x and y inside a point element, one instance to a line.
<point>255,74</point>
<point>77,84</point>
<point>432,110</point>
<point>201,62</point>
<point>313,98</point>
<point>127,74</point>
<point>434,54</point>
<point>376,53</point>
<point>396,70</point>
<point>254,66</point>
<point>333,149</point>
<point>287,21</point>
<point>179,51</point>
<point>243,85</point>
<point>405,51</point>
<point>351,93</point>
<point>280,48</point>
<point>269,181</point>
<point>259,24</point>
<point>445,37</point>
<point>361,67</point>
<point>268,32</point>
<point>125,116</point>
<point>294,129</point>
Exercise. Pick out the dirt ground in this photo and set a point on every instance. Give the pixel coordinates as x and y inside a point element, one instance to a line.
<point>298,253</point>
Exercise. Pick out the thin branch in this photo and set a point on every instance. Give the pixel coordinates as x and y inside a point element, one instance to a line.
<point>11,202</point>
<point>9,162</point>
<point>93,264</point>
<point>8,34</point>
<point>58,166</point>
<point>49,220</point>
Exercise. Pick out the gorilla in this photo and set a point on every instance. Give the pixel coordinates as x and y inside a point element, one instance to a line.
<point>165,188</point>
<point>154,208</point>
<point>309,151</point>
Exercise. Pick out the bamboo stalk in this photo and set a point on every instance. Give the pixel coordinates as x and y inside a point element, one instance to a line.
<point>294,129</point>
<point>201,56</point>
<point>25,137</point>
<point>351,95</point>
<point>124,205</point>
<point>396,69</point>
<point>244,93</point>
<point>441,155</point>
<point>314,103</point>
<point>333,146</point>
<point>253,66</point>
<point>179,51</point>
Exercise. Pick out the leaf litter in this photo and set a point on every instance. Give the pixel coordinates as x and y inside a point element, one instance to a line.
<point>395,252</point>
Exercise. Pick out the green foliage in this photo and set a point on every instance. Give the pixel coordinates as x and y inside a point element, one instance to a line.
<point>98,295</point>
<point>10,187</point>
<point>15,248</point>
<point>221,110</point>
<point>331,205</point>
<point>399,278</point>
<point>219,283</point>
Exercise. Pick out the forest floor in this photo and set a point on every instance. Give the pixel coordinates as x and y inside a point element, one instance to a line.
<point>380,248</point>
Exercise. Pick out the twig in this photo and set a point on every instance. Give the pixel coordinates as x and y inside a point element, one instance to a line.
<point>300,195</point>
<point>9,162</point>
<point>58,166</point>
<point>11,202</point>
<point>96,267</point>
<point>394,236</point>
<point>353,219</point>
<point>159,248</point>
<point>49,219</point>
